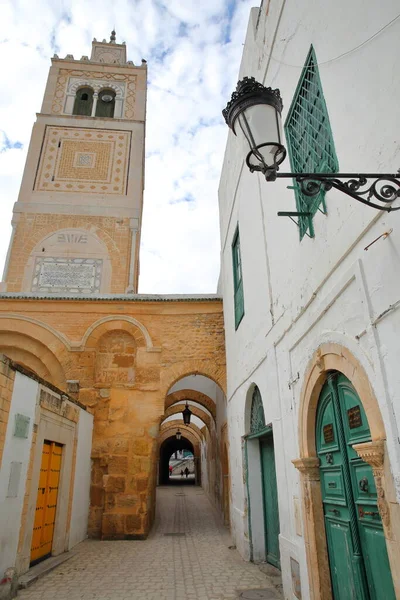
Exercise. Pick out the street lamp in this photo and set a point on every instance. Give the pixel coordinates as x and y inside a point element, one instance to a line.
<point>186,413</point>
<point>257,111</point>
<point>178,435</point>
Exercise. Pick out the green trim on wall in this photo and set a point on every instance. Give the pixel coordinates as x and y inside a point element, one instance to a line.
<point>237,278</point>
<point>266,431</point>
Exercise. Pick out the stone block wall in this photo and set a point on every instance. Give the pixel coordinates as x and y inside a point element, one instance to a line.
<point>125,357</point>
<point>30,229</point>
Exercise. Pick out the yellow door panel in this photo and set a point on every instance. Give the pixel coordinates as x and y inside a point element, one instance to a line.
<point>46,504</point>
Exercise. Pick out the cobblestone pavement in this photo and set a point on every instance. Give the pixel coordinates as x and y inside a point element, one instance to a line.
<point>195,566</point>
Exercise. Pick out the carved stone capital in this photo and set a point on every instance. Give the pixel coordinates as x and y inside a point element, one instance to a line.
<point>308,467</point>
<point>372,453</point>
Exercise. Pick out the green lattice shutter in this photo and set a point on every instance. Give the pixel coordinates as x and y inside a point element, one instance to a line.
<point>257,418</point>
<point>309,138</point>
<point>237,279</point>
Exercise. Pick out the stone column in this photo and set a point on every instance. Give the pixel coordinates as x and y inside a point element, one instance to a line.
<point>118,108</point>
<point>69,104</point>
<point>95,98</point>
<point>134,227</point>
<point>314,529</point>
<point>3,285</point>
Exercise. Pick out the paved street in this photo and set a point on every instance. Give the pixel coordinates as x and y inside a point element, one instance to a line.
<point>196,565</point>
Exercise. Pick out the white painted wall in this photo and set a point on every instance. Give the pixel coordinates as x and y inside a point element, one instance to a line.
<point>299,295</point>
<point>196,382</point>
<point>15,450</point>
<point>81,498</point>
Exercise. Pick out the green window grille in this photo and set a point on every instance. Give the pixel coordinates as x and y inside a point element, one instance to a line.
<point>309,138</point>
<point>237,279</point>
<point>257,418</point>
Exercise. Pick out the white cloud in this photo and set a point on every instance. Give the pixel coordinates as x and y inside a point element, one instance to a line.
<point>193,51</point>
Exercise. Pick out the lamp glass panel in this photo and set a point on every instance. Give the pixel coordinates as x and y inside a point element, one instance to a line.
<point>261,124</point>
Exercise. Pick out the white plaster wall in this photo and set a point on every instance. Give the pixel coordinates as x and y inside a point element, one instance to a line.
<point>200,383</point>
<point>81,498</point>
<point>178,417</point>
<point>15,450</point>
<point>298,295</point>
<point>205,482</point>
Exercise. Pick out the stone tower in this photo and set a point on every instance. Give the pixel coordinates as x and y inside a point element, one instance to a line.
<point>77,221</point>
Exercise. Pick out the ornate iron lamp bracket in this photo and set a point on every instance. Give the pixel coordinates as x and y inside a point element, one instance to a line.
<point>385,188</point>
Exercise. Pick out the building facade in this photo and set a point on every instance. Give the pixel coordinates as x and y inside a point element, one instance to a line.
<point>76,224</point>
<point>71,318</point>
<point>45,444</point>
<point>311,310</point>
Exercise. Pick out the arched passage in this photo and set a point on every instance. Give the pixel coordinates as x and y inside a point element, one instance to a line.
<point>167,449</point>
<point>202,386</point>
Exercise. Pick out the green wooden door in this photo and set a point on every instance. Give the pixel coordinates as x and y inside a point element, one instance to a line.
<point>356,546</point>
<point>270,497</point>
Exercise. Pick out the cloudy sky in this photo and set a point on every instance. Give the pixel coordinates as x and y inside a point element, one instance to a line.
<point>193,49</point>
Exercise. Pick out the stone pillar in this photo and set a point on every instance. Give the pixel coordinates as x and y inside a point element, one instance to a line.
<point>314,529</point>
<point>134,227</point>
<point>374,454</point>
<point>69,104</point>
<point>7,262</point>
<point>118,108</point>
<point>95,98</point>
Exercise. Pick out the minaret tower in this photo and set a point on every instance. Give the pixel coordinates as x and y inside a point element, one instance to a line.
<point>76,224</point>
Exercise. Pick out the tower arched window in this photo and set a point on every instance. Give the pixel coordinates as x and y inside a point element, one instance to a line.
<point>83,102</point>
<point>105,104</point>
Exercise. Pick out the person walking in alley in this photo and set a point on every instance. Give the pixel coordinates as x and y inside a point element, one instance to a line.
<point>186,472</point>
<point>181,473</point>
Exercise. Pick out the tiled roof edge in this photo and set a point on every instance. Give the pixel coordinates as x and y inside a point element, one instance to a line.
<point>115,297</point>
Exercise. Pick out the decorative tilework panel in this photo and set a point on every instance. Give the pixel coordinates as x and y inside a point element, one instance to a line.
<point>84,160</point>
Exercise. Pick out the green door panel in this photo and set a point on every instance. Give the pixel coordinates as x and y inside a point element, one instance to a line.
<point>341,561</point>
<point>340,519</point>
<point>270,496</point>
<point>356,545</point>
<point>376,563</point>
<point>353,417</point>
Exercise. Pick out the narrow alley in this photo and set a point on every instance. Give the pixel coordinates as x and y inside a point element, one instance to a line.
<point>186,557</point>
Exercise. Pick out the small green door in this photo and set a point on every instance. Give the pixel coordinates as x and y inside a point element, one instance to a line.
<point>358,558</point>
<point>270,497</point>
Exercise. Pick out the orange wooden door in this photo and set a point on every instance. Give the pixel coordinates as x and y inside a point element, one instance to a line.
<point>46,503</point>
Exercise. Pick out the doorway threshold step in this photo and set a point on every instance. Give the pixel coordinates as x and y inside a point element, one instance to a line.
<point>42,569</point>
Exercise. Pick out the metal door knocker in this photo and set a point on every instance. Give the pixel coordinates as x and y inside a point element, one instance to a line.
<point>363,484</point>
<point>329,458</point>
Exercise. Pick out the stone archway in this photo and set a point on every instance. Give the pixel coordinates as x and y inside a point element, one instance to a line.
<point>201,414</point>
<point>334,357</point>
<point>167,448</point>
<point>188,394</point>
<point>193,437</point>
<point>207,368</point>
<point>36,348</point>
